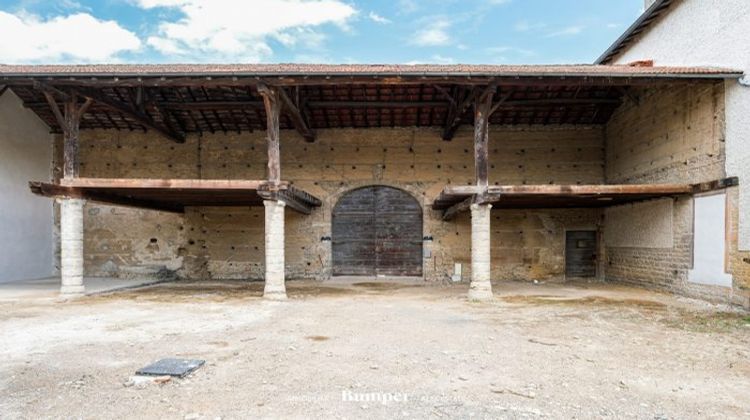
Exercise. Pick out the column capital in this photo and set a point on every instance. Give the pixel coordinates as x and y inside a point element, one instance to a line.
<point>476,206</point>
<point>274,203</point>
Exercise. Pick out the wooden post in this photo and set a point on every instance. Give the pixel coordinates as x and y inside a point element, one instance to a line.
<point>272,104</point>
<point>69,120</point>
<point>482,110</point>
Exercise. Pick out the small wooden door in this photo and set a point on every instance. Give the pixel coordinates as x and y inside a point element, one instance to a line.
<point>580,253</point>
<point>377,231</point>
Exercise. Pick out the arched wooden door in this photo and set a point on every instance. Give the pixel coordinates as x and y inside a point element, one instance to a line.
<point>377,231</point>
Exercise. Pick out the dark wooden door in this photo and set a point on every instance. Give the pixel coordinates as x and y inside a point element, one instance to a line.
<point>580,253</point>
<point>377,231</point>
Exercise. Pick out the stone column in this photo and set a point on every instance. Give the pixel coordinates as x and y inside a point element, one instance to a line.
<point>480,287</point>
<point>71,246</point>
<point>274,288</point>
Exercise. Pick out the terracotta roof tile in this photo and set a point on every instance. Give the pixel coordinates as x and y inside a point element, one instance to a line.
<point>171,70</point>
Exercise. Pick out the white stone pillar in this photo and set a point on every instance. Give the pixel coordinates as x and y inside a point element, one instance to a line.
<point>274,287</point>
<point>480,287</point>
<point>71,246</point>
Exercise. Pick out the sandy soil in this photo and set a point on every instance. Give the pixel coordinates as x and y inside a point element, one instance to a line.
<point>377,350</point>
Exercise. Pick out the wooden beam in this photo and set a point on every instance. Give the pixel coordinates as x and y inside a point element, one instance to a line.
<point>272,104</point>
<point>184,184</point>
<point>573,190</point>
<point>456,114</point>
<point>291,200</point>
<point>482,109</point>
<point>59,191</point>
<point>304,196</point>
<point>718,184</point>
<point>296,116</point>
<point>130,111</point>
<point>457,208</point>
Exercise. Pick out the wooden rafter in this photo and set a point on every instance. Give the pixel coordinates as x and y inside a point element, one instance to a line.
<point>457,113</point>
<point>130,111</point>
<point>298,119</point>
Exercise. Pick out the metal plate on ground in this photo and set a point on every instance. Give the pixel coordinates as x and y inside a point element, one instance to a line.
<point>172,367</point>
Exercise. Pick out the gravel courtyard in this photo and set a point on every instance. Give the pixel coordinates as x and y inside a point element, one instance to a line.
<point>376,350</point>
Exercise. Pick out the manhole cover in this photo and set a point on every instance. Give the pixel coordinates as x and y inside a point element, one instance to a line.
<point>171,367</point>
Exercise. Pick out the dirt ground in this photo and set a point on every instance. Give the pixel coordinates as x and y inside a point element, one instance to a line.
<point>377,350</point>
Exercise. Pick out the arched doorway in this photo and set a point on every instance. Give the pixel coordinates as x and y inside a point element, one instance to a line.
<point>377,230</point>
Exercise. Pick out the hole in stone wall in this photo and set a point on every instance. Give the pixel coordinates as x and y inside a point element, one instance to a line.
<point>153,240</point>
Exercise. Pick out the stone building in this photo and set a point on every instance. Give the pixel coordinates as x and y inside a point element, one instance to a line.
<point>444,173</point>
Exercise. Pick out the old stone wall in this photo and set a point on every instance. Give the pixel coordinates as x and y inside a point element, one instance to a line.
<point>670,135</point>
<point>227,243</point>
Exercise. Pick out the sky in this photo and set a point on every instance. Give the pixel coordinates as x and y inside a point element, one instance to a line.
<point>311,31</point>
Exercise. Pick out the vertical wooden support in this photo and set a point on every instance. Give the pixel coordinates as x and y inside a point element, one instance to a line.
<point>71,209</point>
<point>482,110</point>
<point>272,103</point>
<point>69,120</point>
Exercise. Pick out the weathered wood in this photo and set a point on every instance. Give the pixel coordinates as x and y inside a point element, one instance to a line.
<point>71,134</point>
<point>294,113</point>
<point>718,184</point>
<point>59,191</point>
<point>292,201</point>
<point>175,194</point>
<point>377,231</point>
<point>457,113</point>
<point>554,196</point>
<point>272,104</point>
<point>304,196</point>
<point>457,208</point>
<point>130,111</point>
<point>69,120</point>
<point>481,138</point>
<point>199,184</point>
<point>580,253</point>
<point>573,190</point>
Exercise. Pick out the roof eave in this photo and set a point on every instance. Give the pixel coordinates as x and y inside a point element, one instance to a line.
<point>613,49</point>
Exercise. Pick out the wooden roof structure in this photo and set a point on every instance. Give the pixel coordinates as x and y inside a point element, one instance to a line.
<point>176,100</point>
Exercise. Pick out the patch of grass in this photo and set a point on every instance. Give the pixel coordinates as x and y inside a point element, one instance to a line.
<point>709,322</point>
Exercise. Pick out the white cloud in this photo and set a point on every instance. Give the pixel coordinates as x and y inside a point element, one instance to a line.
<point>434,34</point>
<point>80,37</point>
<point>567,31</point>
<point>526,26</point>
<point>378,19</point>
<point>227,30</point>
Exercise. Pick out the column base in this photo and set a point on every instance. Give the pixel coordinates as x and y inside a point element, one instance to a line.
<point>274,294</point>
<point>72,291</point>
<point>480,292</point>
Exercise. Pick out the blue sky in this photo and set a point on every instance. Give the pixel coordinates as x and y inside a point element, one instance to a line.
<point>318,31</point>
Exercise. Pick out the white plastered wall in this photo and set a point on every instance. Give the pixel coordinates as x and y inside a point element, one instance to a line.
<point>26,221</point>
<point>710,33</point>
